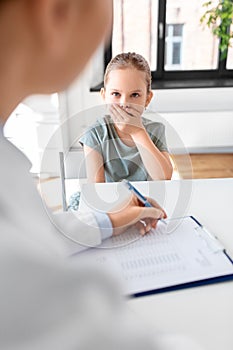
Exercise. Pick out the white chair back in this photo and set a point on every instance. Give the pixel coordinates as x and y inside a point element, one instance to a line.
<point>72,166</point>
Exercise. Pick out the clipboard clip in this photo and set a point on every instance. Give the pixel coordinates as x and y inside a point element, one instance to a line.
<point>212,241</point>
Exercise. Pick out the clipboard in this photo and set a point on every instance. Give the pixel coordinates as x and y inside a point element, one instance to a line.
<point>181,254</point>
<point>217,247</point>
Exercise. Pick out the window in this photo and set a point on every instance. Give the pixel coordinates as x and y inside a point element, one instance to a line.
<point>168,33</point>
<point>199,48</point>
<point>135,28</point>
<point>173,46</point>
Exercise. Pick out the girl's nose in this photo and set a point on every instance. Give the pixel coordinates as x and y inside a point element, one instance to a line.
<point>123,101</point>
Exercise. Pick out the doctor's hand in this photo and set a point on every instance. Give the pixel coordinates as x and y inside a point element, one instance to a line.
<point>127,118</point>
<point>134,213</point>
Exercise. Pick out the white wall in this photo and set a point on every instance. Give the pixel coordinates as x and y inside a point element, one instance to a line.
<point>32,126</point>
<point>199,131</point>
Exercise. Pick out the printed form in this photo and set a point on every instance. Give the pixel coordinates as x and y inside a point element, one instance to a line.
<point>171,255</point>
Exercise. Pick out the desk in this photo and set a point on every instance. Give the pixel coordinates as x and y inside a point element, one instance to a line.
<point>203,313</point>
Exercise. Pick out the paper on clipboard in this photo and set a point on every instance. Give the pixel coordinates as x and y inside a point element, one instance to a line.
<point>161,260</point>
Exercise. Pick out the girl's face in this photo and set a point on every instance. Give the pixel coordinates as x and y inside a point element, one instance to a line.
<point>126,87</point>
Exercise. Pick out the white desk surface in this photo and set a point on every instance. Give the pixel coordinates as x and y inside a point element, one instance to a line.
<point>204,313</point>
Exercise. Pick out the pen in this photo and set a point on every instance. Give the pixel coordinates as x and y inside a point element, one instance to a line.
<point>139,196</point>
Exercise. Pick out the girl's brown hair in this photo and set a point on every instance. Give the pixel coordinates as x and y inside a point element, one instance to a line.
<point>129,60</point>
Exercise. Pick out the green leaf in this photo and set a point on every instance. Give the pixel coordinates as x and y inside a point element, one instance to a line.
<point>221,13</point>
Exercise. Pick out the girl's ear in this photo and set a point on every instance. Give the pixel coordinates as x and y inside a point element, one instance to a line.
<point>149,97</point>
<point>102,93</point>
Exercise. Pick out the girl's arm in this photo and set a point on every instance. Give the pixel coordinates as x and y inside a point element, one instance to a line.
<point>157,163</point>
<point>94,165</point>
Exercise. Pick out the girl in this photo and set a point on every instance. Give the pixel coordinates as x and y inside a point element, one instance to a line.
<point>124,144</point>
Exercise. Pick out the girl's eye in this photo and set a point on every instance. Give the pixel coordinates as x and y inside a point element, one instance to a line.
<point>115,94</point>
<point>135,94</point>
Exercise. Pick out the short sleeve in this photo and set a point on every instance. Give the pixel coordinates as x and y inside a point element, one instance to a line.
<point>157,135</point>
<point>91,139</point>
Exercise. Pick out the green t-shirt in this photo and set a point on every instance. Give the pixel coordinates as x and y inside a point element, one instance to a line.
<point>121,161</point>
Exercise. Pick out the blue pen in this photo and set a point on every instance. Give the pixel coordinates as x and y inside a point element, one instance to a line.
<point>139,195</point>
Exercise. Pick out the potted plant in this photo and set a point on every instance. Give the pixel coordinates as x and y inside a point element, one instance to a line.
<point>219,17</point>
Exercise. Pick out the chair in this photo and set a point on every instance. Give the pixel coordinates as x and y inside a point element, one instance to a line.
<point>72,166</point>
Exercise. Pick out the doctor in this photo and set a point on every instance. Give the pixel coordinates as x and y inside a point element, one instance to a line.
<point>45,302</point>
